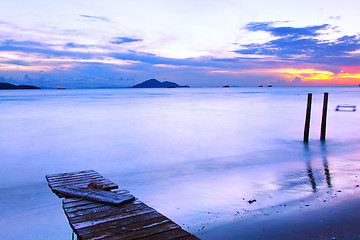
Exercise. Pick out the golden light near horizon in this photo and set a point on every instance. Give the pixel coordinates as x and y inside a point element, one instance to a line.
<point>305,74</point>
<point>315,75</point>
<point>310,75</point>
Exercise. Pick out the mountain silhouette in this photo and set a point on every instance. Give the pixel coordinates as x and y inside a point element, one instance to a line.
<point>12,86</point>
<point>153,83</point>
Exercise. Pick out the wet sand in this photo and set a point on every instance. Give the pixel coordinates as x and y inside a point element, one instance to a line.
<point>336,221</point>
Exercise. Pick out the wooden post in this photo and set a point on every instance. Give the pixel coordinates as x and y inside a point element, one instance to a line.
<point>324,114</point>
<point>307,120</point>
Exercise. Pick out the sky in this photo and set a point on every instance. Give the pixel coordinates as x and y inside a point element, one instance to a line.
<point>200,43</point>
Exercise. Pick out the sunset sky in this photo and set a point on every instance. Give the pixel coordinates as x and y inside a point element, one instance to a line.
<point>118,43</point>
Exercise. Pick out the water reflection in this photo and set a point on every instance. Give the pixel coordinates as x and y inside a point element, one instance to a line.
<point>310,171</point>
<point>326,165</point>
<point>311,176</point>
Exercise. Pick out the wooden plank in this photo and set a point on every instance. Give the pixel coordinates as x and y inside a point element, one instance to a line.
<point>70,173</point>
<point>98,220</point>
<point>90,174</point>
<point>89,222</point>
<point>84,182</point>
<point>94,177</point>
<point>92,217</point>
<point>85,204</point>
<point>188,237</point>
<point>172,234</point>
<point>146,231</point>
<point>73,200</point>
<point>95,195</point>
<point>80,179</point>
<point>76,179</point>
<point>124,226</point>
<point>119,224</point>
<point>84,175</point>
<point>76,212</point>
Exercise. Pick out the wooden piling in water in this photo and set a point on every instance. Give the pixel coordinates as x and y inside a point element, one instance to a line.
<point>307,119</point>
<point>324,115</point>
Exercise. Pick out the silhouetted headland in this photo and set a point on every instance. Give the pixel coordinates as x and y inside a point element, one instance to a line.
<point>153,83</point>
<point>12,86</point>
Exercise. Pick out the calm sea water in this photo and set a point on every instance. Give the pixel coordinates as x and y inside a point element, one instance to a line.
<point>195,155</point>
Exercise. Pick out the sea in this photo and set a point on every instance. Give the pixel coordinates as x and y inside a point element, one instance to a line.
<point>201,156</point>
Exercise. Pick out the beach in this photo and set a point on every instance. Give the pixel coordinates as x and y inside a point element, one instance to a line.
<point>222,163</point>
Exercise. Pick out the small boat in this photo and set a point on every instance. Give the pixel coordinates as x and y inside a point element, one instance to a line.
<point>260,85</point>
<point>269,85</point>
<point>226,86</point>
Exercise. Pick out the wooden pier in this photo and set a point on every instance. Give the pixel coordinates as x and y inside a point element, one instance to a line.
<point>99,220</point>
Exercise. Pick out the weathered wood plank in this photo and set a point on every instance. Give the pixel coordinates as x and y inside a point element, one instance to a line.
<point>88,222</point>
<point>93,211</point>
<point>172,234</point>
<point>98,220</point>
<point>73,200</point>
<point>77,179</point>
<point>146,231</point>
<point>81,180</point>
<point>120,225</point>
<point>70,173</point>
<point>94,195</point>
<point>85,204</point>
<point>83,175</point>
<point>101,216</point>
<point>105,186</point>
<point>125,226</point>
<point>187,237</point>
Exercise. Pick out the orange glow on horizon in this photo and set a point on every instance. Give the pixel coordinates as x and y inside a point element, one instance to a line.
<point>305,74</point>
<point>348,75</point>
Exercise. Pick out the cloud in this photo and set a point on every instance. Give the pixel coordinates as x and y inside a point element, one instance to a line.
<point>293,32</point>
<point>122,40</point>
<point>76,45</point>
<point>94,18</point>
<point>14,43</point>
<point>296,80</point>
<point>41,48</point>
<point>303,44</point>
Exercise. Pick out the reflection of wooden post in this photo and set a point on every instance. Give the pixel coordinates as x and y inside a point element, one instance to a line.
<point>307,120</point>
<point>311,177</point>
<point>324,114</point>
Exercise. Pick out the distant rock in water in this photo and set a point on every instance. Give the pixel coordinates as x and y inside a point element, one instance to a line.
<point>12,86</point>
<point>153,83</point>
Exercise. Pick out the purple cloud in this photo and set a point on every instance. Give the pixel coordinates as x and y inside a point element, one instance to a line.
<point>76,45</point>
<point>310,31</point>
<point>122,40</point>
<point>304,44</point>
<point>93,18</point>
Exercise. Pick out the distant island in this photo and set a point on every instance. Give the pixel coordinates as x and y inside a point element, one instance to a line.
<point>12,86</point>
<point>153,83</point>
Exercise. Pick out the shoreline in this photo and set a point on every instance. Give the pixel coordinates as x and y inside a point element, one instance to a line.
<point>337,220</point>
